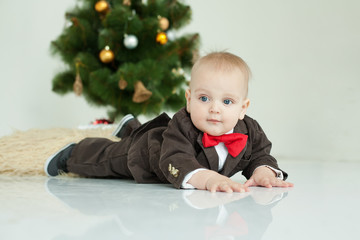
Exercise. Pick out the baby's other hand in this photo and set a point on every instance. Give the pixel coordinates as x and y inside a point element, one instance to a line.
<point>265,177</point>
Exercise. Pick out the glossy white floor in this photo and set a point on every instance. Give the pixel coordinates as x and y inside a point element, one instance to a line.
<point>324,204</point>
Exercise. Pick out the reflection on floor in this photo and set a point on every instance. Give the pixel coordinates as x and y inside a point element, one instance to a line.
<point>322,205</point>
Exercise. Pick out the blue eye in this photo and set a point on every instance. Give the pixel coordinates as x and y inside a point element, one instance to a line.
<point>204,99</point>
<point>227,102</point>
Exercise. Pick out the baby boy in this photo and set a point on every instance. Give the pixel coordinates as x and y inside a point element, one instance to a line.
<point>201,147</point>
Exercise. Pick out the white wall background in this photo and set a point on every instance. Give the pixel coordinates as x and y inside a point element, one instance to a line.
<point>304,56</point>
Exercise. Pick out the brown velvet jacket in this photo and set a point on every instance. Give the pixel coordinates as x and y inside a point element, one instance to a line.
<point>166,150</point>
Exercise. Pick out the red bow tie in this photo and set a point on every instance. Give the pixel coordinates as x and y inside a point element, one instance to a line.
<point>234,142</point>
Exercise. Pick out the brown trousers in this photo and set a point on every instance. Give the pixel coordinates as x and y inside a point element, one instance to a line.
<point>100,157</point>
<point>103,158</point>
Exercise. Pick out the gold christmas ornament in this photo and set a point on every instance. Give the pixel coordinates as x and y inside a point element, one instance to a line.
<point>122,84</point>
<point>141,94</point>
<point>161,38</point>
<point>102,6</point>
<point>178,71</point>
<point>163,23</point>
<point>106,55</point>
<point>74,21</point>
<point>127,2</point>
<point>78,86</point>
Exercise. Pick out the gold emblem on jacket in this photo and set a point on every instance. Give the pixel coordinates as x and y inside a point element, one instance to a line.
<point>173,171</point>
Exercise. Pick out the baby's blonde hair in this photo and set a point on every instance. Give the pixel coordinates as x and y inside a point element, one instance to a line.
<point>224,61</point>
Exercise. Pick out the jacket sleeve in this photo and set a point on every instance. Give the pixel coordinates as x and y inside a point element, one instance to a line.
<point>178,150</point>
<point>260,148</point>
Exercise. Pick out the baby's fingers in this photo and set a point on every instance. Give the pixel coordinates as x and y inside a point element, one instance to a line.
<point>236,187</point>
<point>225,188</point>
<point>228,187</point>
<point>268,183</point>
<point>265,182</point>
<point>249,183</point>
<point>219,187</point>
<point>281,183</point>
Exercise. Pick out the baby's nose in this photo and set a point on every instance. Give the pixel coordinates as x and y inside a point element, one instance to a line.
<point>214,107</point>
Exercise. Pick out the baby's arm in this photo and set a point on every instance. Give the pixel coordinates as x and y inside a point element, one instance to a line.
<point>213,182</point>
<point>265,177</point>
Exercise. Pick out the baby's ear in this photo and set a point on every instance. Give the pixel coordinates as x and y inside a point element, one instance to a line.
<point>188,98</point>
<point>244,108</point>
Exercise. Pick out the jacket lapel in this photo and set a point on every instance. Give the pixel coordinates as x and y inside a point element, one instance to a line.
<point>210,153</point>
<point>232,162</point>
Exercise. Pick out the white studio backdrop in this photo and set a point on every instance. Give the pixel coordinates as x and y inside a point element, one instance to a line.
<point>304,56</point>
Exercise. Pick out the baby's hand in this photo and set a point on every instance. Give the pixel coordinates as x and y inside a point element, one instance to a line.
<point>265,177</point>
<point>220,183</point>
<point>215,182</point>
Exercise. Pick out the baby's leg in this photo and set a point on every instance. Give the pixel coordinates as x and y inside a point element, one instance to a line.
<point>126,126</point>
<point>100,157</point>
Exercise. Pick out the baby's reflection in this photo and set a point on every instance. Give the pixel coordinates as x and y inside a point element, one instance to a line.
<point>142,211</point>
<point>240,216</point>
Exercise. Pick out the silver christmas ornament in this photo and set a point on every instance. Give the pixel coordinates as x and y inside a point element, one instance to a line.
<point>130,41</point>
<point>171,35</point>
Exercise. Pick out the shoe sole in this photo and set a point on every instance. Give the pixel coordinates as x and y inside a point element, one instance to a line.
<point>51,157</point>
<point>125,119</point>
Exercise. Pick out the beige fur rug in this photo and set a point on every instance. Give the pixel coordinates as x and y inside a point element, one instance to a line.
<point>24,152</point>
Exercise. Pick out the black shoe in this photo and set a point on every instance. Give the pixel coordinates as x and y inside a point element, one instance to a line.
<point>126,126</point>
<point>56,164</point>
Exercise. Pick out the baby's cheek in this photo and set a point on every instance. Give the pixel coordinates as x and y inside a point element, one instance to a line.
<point>196,121</point>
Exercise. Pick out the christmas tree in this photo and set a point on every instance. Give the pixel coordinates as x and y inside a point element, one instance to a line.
<point>124,54</point>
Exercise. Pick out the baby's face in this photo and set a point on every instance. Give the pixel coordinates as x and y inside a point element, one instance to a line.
<point>217,99</point>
